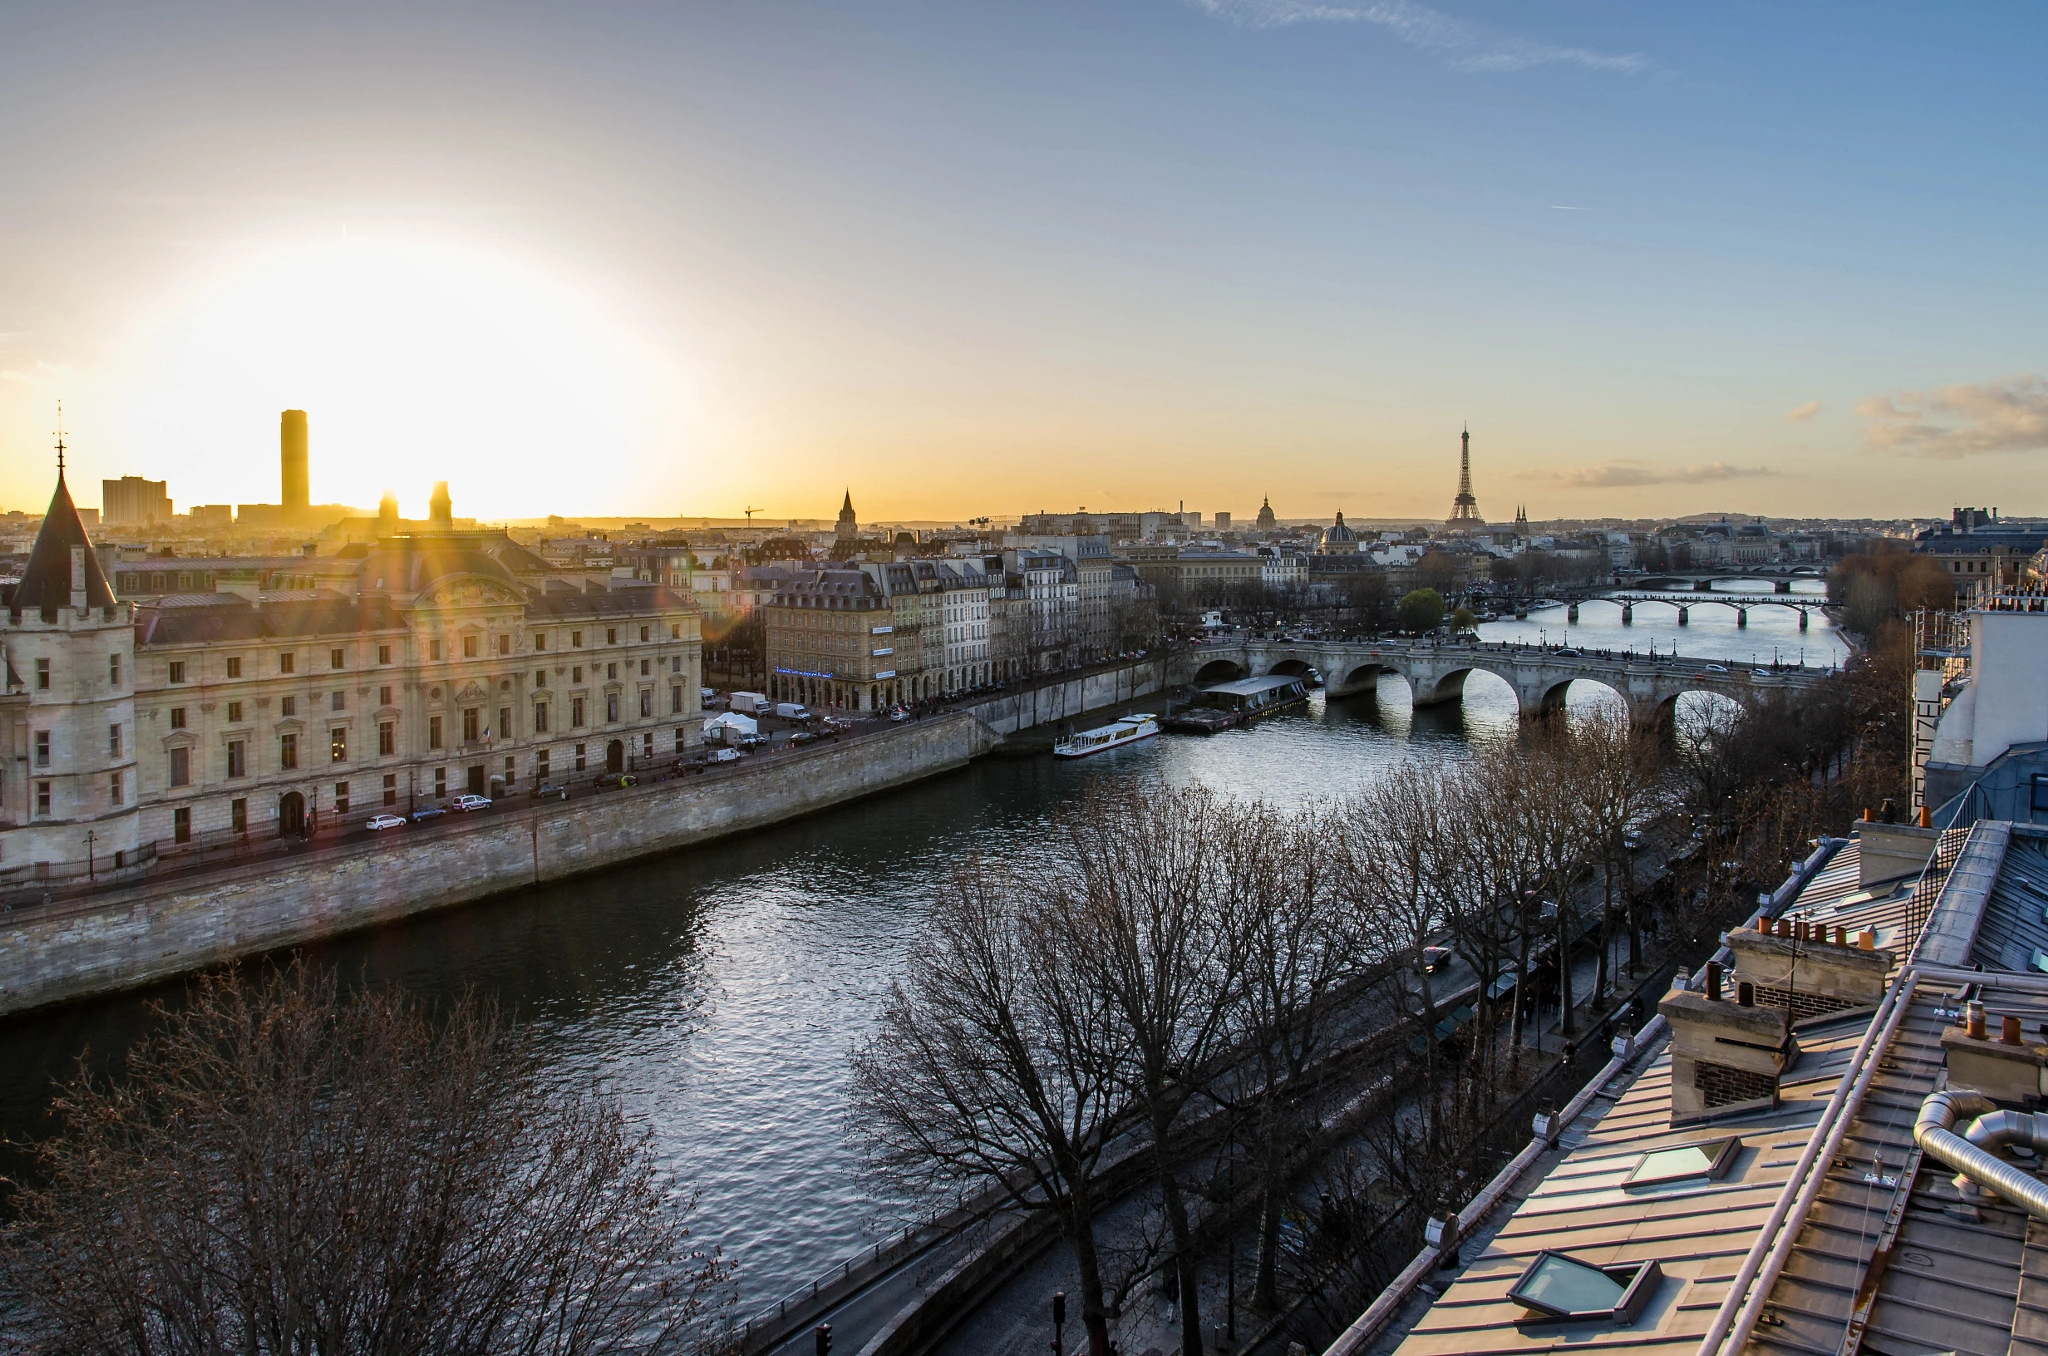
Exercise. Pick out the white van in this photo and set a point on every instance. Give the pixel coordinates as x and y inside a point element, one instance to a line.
<point>791,711</point>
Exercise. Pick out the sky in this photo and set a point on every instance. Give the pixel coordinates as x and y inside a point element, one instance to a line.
<point>991,258</point>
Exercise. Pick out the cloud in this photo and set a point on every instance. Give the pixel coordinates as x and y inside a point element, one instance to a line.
<point>1799,414</point>
<point>39,372</point>
<point>1468,47</point>
<point>2007,415</point>
<point>1624,473</point>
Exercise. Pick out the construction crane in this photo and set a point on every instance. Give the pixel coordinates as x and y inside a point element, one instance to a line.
<point>750,514</point>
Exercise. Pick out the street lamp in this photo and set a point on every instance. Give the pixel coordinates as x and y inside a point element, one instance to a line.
<point>823,1337</point>
<point>1059,1323</point>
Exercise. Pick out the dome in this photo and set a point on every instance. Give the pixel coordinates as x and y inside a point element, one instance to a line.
<point>1339,532</point>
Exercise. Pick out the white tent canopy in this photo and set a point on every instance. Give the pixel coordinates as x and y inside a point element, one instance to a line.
<point>727,724</point>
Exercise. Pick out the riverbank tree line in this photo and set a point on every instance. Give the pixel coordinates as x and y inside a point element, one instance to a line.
<point>1174,978</point>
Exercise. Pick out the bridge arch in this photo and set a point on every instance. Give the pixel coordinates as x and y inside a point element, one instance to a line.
<point>1360,680</point>
<point>1597,693</point>
<point>1697,712</point>
<point>1449,687</point>
<point>1291,667</point>
<point>1220,671</point>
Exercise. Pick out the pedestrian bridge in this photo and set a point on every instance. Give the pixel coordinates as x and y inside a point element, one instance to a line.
<point>1540,675</point>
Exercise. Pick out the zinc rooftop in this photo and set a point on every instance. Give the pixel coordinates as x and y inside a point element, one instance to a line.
<point>1825,1143</point>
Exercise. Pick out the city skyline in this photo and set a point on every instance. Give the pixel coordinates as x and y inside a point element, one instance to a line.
<point>681,262</point>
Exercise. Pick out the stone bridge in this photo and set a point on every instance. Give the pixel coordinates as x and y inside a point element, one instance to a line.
<point>1539,675</point>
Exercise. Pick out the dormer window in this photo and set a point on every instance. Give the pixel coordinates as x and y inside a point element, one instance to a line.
<point>1560,1289</point>
<point>1686,1162</point>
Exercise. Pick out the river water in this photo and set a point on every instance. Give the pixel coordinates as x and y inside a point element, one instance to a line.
<point>719,990</point>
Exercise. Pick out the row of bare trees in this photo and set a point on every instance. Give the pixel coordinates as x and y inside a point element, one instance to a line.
<point>1167,969</point>
<point>283,1168</point>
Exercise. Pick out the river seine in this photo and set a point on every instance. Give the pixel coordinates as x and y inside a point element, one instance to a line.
<point>719,990</point>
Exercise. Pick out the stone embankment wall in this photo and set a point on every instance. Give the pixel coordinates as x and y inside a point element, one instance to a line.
<point>1067,700</point>
<point>149,932</point>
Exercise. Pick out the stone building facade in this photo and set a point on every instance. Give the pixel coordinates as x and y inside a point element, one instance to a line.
<point>69,792</point>
<point>872,636</point>
<point>445,667</point>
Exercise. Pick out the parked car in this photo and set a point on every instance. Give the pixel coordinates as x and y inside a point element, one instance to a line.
<point>386,822</point>
<point>749,741</point>
<point>899,714</point>
<point>427,812</point>
<point>547,790</point>
<point>469,803</point>
<point>804,737</point>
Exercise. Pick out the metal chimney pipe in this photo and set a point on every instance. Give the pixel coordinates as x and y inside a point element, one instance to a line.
<point>1993,1129</point>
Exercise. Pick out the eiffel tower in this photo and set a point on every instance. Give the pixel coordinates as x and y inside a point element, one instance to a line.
<point>1465,508</point>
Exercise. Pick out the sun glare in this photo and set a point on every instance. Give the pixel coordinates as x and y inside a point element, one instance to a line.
<point>415,363</point>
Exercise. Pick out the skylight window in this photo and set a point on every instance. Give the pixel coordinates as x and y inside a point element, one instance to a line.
<point>1558,1288</point>
<point>1709,1159</point>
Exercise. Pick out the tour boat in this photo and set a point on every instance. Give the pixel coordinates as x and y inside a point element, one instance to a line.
<point>1129,730</point>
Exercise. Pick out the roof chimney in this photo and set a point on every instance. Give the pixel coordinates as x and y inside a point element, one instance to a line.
<point>1725,1057</point>
<point>1808,974</point>
<point>2005,1067</point>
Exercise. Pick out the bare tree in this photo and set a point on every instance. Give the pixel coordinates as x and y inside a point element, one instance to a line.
<point>283,1169</point>
<point>1536,793</point>
<point>1396,843</point>
<point>991,1068</point>
<point>1140,888</point>
<point>1489,869</point>
<point>1617,773</point>
<point>1303,944</point>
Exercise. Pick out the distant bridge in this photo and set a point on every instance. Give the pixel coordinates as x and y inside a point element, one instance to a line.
<point>1804,604</point>
<point>1702,581</point>
<point>1540,675</point>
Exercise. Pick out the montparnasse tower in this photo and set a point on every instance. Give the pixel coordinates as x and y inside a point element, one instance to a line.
<point>1465,507</point>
